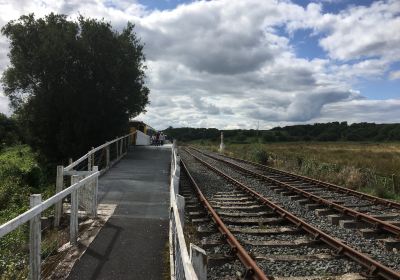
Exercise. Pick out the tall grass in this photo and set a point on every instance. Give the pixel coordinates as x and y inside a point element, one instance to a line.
<point>367,167</point>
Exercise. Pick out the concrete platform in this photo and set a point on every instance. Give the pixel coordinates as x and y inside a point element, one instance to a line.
<point>133,242</point>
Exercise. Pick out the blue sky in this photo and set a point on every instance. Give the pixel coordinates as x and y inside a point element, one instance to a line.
<point>162,4</point>
<point>234,64</point>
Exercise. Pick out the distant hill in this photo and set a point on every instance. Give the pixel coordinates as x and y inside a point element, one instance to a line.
<point>334,131</point>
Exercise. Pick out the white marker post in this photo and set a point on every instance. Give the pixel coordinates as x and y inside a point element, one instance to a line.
<point>222,145</point>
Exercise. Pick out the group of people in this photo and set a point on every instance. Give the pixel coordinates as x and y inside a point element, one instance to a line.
<point>158,139</point>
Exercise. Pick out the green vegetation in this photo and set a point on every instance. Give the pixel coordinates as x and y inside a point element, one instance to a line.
<point>324,132</point>
<point>20,175</point>
<point>367,167</point>
<point>9,132</point>
<point>73,84</point>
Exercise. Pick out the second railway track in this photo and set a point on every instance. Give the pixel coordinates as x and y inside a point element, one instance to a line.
<point>282,244</point>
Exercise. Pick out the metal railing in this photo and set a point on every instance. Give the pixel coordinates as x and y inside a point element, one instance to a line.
<point>182,265</point>
<point>84,174</point>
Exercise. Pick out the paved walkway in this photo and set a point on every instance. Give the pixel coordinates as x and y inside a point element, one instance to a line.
<point>133,243</point>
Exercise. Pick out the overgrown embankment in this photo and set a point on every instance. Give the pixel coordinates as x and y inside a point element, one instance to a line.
<point>368,167</point>
<point>20,175</point>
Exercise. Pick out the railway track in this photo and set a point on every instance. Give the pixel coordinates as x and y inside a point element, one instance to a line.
<point>371,217</point>
<point>281,244</point>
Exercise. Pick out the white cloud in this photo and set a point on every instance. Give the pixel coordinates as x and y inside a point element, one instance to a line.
<point>380,111</point>
<point>227,64</point>
<point>394,75</point>
<point>357,32</point>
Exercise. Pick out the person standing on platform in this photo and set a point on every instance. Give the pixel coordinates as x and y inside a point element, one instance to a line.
<point>162,138</point>
<point>158,139</point>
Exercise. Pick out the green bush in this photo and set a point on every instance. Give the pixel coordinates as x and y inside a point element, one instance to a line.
<point>20,175</point>
<point>258,154</point>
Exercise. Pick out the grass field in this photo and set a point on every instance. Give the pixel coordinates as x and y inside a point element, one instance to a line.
<point>367,167</point>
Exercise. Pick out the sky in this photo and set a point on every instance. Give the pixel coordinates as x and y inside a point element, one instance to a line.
<point>251,63</point>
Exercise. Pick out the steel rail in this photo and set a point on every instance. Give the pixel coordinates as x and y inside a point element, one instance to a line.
<point>374,267</point>
<point>379,224</point>
<point>344,190</point>
<point>252,268</point>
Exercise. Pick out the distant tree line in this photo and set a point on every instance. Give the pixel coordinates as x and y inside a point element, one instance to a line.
<point>334,131</point>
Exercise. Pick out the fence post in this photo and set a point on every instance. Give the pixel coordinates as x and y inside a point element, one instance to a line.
<point>198,258</point>
<point>93,163</point>
<point>35,238</point>
<point>95,189</point>
<point>121,146</point>
<point>180,203</point>
<point>178,166</point>
<point>59,188</point>
<point>90,159</point>
<point>116,143</point>
<point>73,235</point>
<point>108,156</point>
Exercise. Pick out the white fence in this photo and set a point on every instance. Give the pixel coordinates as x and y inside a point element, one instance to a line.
<point>84,174</point>
<point>142,139</point>
<point>104,157</point>
<point>182,266</point>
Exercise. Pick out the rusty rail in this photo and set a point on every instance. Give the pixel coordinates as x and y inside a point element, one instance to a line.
<point>373,267</point>
<point>337,188</point>
<point>379,224</point>
<point>252,269</point>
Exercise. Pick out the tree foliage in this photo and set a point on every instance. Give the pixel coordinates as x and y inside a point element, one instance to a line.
<point>333,131</point>
<point>73,84</point>
<point>9,133</point>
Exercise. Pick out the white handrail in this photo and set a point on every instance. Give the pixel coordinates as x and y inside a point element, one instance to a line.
<point>28,215</point>
<point>76,162</point>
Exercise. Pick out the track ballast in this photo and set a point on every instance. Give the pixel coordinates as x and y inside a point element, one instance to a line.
<point>281,245</point>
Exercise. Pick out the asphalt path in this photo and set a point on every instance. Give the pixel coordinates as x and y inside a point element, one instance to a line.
<point>133,242</point>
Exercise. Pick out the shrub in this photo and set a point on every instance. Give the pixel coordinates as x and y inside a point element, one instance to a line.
<point>258,154</point>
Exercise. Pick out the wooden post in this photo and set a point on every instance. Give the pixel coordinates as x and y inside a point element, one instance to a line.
<point>180,202</point>
<point>59,188</point>
<point>35,239</point>
<point>116,143</point>
<point>73,236</point>
<point>95,190</point>
<point>93,163</point>
<point>70,178</point>
<point>90,160</point>
<point>107,156</point>
<point>198,258</point>
<point>175,183</point>
<point>121,145</point>
<point>178,167</point>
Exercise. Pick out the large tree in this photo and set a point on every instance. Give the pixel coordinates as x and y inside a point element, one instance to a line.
<point>73,84</point>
